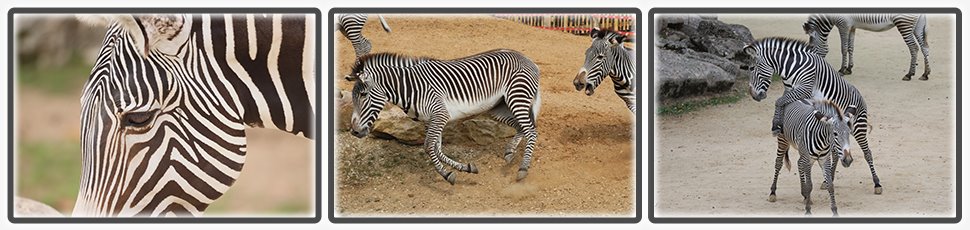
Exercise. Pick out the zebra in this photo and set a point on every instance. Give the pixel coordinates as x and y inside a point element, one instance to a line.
<point>503,83</point>
<point>803,71</point>
<point>818,129</point>
<point>608,57</point>
<point>165,107</point>
<point>911,26</point>
<point>351,25</point>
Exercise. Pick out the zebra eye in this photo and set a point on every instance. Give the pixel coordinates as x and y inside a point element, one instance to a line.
<point>138,119</point>
<point>600,56</point>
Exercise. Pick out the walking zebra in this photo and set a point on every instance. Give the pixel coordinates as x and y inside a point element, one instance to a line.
<point>351,25</point>
<point>164,111</point>
<point>911,26</point>
<point>804,72</point>
<point>503,83</point>
<point>818,129</point>
<point>608,57</point>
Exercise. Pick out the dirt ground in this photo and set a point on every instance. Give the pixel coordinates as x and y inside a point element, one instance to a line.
<point>54,120</point>
<point>584,158</point>
<point>719,161</point>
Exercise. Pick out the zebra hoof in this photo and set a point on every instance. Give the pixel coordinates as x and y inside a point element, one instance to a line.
<point>508,158</point>
<point>450,177</point>
<point>772,198</point>
<point>907,77</point>
<point>924,77</point>
<point>878,190</point>
<point>472,168</point>
<point>522,174</point>
<point>824,186</point>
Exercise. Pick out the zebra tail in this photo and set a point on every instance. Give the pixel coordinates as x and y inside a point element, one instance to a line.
<point>384,24</point>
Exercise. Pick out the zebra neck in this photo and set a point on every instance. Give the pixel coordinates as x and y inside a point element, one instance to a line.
<point>268,63</point>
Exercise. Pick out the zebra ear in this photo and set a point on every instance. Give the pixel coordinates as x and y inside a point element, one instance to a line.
<point>808,27</point>
<point>618,39</point>
<point>749,49</point>
<point>850,112</point>
<point>821,117</point>
<point>165,33</point>
<point>594,33</point>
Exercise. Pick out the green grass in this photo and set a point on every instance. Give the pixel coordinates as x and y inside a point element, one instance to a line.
<point>691,106</point>
<point>49,172</point>
<point>61,80</point>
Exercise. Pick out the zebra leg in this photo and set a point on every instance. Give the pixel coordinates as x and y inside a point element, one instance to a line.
<point>925,47</point>
<point>432,145</point>
<point>362,47</point>
<point>781,157</point>
<point>863,140</point>
<point>777,119</point>
<point>850,50</point>
<point>828,172</point>
<point>805,174</point>
<point>911,42</point>
<point>844,34</point>
<point>522,110</point>
<point>825,184</point>
<point>501,113</point>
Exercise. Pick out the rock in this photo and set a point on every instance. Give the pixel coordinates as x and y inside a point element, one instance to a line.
<point>24,207</point>
<point>345,108</point>
<point>686,75</point>
<point>697,54</point>
<point>482,130</point>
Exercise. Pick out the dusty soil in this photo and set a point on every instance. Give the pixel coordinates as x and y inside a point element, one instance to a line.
<point>584,158</point>
<point>719,161</point>
<point>44,118</point>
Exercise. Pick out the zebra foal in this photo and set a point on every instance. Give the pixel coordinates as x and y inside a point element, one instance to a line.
<point>502,83</point>
<point>819,130</point>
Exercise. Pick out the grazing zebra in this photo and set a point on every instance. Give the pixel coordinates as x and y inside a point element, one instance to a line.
<point>164,111</point>
<point>503,83</point>
<point>351,25</point>
<point>608,57</point>
<point>803,72</point>
<point>911,26</point>
<point>818,129</point>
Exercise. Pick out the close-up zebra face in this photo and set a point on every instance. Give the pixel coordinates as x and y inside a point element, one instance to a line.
<point>817,38</point>
<point>152,143</point>
<point>596,59</point>
<point>368,102</point>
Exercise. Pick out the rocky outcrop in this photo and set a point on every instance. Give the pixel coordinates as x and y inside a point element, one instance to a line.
<point>697,54</point>
<point>393,124</point>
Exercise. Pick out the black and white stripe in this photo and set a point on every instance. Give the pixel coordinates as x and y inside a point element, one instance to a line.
<point>608,57</point>
<point>819,130</point>
<point>164,112</point>
<point>911,26</point>
<point>351,25</point>
<point>804,72</point>
<point>502,83</point>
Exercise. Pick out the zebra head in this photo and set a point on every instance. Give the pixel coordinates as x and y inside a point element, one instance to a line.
<point>761,73</point>
<point>818,28</point>
<point>600,59</point>
<point>368,96</point>
<point>153,143</point>
<point>836,122</point>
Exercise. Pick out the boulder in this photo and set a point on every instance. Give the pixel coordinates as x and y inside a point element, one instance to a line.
<point>698,54</point>
<point>24,207</point>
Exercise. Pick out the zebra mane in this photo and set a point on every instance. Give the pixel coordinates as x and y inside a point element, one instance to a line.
<point>785,42</point>
<point>821,103</point>
<point>367,59</point>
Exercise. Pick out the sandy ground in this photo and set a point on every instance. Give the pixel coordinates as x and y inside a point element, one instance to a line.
<point>719,161</point>
<point>258,191</point>
<point>584,158</point>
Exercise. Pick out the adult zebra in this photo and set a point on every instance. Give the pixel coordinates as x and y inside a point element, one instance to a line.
<point>911,26</point>
<point>164,111</point>
<point>607,56</point>
<point>803,72</point>
<point>351,25</point>
<point>502,83</point>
